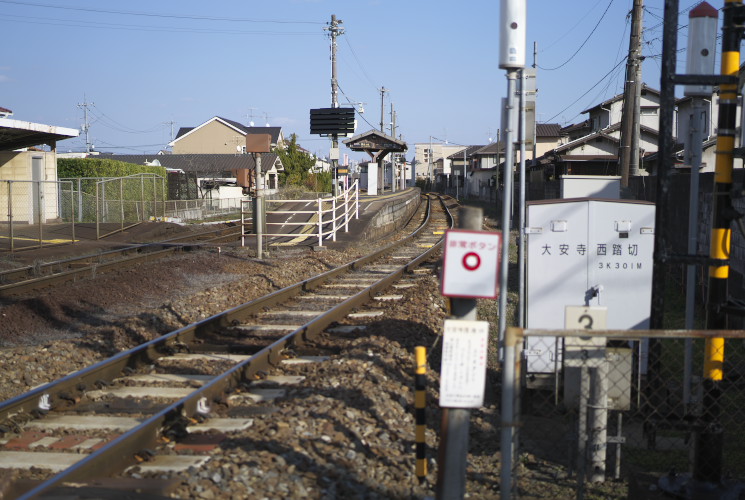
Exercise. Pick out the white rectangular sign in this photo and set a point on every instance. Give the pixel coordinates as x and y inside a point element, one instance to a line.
<point>463,372</point>
<point>471,264</point>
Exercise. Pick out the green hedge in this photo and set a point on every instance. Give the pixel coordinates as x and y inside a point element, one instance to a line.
<point>95,167</point>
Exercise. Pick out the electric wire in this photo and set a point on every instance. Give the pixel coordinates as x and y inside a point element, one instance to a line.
<point>134,27</point>
<point>156,15</point>
<point>589,90</point>
<point>583,43</point>
<point>570,30</point>
<point>355,110</point>
<point>354,54</point>
<point>113,124</point>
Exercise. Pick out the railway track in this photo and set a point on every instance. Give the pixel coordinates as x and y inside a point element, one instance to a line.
<point>29,278</point>
<point>140,407</point>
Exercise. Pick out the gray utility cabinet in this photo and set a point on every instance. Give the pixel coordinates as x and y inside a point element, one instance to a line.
<point>586,252</point>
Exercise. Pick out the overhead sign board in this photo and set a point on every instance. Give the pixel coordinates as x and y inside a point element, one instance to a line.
<point>330,121</point>
<point>471,264</point>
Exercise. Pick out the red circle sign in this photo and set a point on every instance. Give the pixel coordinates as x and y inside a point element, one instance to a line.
<point>471,261</point>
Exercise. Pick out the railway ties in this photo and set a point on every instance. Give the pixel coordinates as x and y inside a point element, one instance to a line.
<point>59,441</point>
<point>186,392</point>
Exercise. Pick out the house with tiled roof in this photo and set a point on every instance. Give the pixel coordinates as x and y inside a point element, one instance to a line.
<point>216,175</point>
<point>220,135</point>
<point>591,147</point>
<point>460,164</point>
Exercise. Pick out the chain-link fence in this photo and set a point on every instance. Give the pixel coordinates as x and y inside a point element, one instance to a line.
<point>204,209</point>
<point>115,204</point>
<point>31,213</point>
<point>668,406</point>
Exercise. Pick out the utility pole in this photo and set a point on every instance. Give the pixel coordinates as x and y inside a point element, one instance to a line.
<point>381,159</point>
<point>393,155</point>
<point>86,126</point>
<point>382,91</point>
<point>629,151</point>
<point>171,123</point>
<point>334,31</point>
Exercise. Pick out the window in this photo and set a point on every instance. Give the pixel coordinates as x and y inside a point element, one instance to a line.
<point>648,111</point>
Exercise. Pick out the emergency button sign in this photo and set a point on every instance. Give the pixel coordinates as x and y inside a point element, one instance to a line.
<point>471,264</point>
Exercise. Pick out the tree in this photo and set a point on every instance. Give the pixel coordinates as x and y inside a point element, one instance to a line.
<point>297,163</point>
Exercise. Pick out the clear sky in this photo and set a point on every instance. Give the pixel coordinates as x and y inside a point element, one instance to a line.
<point>145,64</point>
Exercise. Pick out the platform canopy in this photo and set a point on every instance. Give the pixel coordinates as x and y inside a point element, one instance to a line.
<point>16,134</point>
<point>376,144</point>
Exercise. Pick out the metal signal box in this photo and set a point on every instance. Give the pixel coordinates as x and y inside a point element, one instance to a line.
<point>586,252</point>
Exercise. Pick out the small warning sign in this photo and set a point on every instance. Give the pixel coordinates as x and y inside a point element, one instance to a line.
<point>471,264</point>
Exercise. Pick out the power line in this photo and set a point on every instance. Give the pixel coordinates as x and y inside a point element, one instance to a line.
<point>166,16</point>
<point>359,63</point>
<point>570,30</point>
<point>583,43</point>
<point>135,27</point>
<point>358,113</point>
<point>588,90</point>
<point>113,124</point>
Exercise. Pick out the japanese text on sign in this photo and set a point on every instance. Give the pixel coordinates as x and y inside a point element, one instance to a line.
<point>471,263</point>
<point>463,372</point>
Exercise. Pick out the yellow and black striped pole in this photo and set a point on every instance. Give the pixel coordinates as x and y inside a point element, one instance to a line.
<point>420,404</point>
<point>707,465</point>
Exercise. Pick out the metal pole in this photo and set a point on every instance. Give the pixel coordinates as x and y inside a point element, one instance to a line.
<point>453,453</point>
<point>72,215</point>
<point>665,155</point>
<point>333,218</point>
<point>465,159</point>
<point>693,158</point>
<point>509,418</point>
<point>121,201</point>
<point>598,420</point>
<point>346,210</point>
<point>521,209</point>
<point>40,208</point>
<point>393,155</point>
<point>80,201</point>
<point>10,214</point>
<point>506,206</point>
<point>98,230</point>
<point>259,211</point>
<point>320,222</point>
<point>707,467</point>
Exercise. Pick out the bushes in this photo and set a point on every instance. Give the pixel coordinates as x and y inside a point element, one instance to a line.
<point>101,167</point>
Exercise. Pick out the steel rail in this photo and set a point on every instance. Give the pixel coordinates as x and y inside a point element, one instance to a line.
<point>121,452</point>
<point>146,253</point>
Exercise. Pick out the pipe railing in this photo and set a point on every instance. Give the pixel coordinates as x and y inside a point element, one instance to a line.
<point>324,220</point>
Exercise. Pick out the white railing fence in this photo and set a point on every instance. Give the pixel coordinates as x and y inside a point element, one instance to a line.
<point>321,217</point>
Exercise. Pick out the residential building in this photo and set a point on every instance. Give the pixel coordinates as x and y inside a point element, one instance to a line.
<point>220,136</point>
<point>432,159</point>
<point>218,176</point>
<point>591,147</point>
